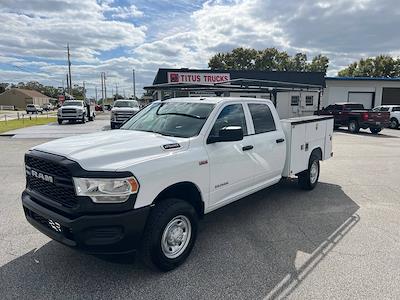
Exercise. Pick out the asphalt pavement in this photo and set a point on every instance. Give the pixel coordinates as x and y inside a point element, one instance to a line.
<point>339,241</point>
<point>54,131</point>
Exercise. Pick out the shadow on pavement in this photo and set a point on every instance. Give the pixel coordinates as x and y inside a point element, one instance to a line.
<point>262,246</point>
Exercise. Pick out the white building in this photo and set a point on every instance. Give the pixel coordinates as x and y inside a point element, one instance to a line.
<point>370,91</point>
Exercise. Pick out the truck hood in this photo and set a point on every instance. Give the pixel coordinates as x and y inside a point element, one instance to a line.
<point>127,109</point>
<point>71,106</point>
<point>113,150</point>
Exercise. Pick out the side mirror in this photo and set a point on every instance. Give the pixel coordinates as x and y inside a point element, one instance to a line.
<point>227,134</point>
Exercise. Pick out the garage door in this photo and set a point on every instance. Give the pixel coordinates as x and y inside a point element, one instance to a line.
<point>391,96</point>
<point>365,98</point>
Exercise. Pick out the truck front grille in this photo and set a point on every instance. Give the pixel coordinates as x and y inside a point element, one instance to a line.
<point>61,190</point>
<point>68,111</point>
<point>47,166</point>
<point>63,195</point>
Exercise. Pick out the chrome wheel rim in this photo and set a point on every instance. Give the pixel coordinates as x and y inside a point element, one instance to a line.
<point>393,124</point>
<point>176,236</point>
<point>352,126</point>
<point>314,172</point>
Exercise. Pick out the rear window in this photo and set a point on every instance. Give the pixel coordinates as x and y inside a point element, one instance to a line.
<point>262,118</point>
<point>354,106</point>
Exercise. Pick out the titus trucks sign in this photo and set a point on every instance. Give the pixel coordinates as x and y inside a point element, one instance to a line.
<point>199,78</point>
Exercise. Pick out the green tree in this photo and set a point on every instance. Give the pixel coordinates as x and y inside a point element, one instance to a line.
<point>379,66</point>
<point>269,59</point>
<point>319,63</point>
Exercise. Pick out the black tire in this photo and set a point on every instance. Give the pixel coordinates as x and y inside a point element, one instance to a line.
<point>112,126</point>
<point>83,119</point>
<point>59,121</point>
<point>375,130</point>
<point>394,124</point>
<point>163,214</point>
<point>305,179</point>
<point>336,127</point>
<point>353,126</point>
<point>91,119</point>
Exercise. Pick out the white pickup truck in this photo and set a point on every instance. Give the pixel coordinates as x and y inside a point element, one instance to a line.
<point>76,110</point>
<point>145,186</point>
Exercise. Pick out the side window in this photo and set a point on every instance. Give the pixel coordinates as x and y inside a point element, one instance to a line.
<point>384,108</point>
<point>231,115</point>
<point>295,100</point>
<point>262,118</point>
<point>396,108</point>
<point>309,100</point>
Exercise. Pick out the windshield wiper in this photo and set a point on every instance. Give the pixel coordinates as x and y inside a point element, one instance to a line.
<point>181,114</point>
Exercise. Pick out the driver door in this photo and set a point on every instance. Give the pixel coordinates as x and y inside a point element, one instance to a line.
<point>231,165</point>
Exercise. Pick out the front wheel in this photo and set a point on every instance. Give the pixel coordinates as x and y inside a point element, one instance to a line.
<point>375,130</point>
<point>59,121</point>
<point>83,119</point>
<point>169,235</point>
<point>308,179</point>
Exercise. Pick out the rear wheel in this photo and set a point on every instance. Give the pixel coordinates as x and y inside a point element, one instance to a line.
<point>394,123</point>
<point>353,126</point>
<point>375,130</point>
<point>308,179</point>
<point>169,235</point>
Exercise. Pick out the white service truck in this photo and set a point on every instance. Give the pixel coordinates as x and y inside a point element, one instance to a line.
<point>76,110</point>
<point>144,187</point>
<point>122,110</point>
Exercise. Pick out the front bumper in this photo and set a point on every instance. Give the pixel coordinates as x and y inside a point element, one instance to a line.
<point>109,233</point>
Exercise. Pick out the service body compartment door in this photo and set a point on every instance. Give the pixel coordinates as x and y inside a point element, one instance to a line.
<point>328,152</point>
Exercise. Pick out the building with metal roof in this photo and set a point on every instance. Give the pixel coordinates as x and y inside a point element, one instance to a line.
<point>293,93</point>
<point>19,98</point>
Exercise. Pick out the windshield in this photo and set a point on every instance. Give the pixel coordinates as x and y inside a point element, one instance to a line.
<point>72,103</point>
<point>177,119</point>
<point>131,103</point>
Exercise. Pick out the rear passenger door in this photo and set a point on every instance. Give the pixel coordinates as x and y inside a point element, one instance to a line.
<point>269,143</point>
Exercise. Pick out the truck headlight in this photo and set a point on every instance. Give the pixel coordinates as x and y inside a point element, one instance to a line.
<point>106,190</point>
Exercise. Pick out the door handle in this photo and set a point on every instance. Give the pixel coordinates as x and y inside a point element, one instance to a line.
<point>246,148</point>
<point>280,141</point>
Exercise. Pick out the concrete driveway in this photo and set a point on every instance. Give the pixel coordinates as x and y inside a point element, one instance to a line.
<point>53,130</point>
<point>339,241</point>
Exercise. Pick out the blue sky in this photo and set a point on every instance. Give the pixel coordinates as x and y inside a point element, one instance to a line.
<point>117,36</point>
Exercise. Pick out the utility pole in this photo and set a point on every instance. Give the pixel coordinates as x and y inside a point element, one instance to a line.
<point>116,89</point>
<point>69,70</point>
<point>95,91</point>
<point>84,92</point>
<point>67,89</point>
<point>105,86</point>
<point>102,87</point>
<point>134,84</point>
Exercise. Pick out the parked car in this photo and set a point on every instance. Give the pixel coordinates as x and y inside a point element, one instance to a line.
<point>122,111</point>
<point>33,109</point>
<point>145,187</point>
<point>48,106</point>
<point>75,110</point>
<point>99,107</point>
<point>394,111</point>
<point>355,116</point>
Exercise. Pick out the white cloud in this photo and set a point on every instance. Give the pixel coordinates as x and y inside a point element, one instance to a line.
<point>35,30</point>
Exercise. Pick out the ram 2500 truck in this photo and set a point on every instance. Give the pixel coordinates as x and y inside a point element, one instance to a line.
<point>76,110</point>
<point>122,111</point>
<point>355,116</point>
<point>145,186</point>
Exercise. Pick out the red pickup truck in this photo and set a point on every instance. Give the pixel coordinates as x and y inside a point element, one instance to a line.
<point>355,116</point>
